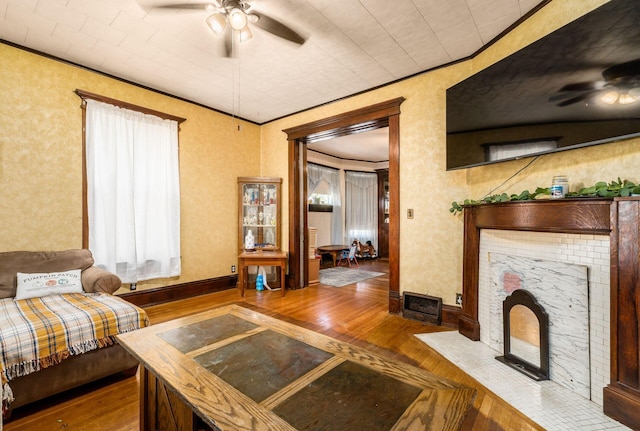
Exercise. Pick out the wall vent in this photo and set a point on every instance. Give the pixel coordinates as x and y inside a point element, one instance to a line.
<point>420,307</point>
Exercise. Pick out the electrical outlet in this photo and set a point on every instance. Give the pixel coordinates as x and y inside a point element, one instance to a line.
<point>410,213</point>
<point>458,298</point>
<point>233,269</point>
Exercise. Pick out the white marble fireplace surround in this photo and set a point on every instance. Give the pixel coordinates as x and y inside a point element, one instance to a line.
<point>562,290</point>
<point>550,404</point>
<point>591,251</point>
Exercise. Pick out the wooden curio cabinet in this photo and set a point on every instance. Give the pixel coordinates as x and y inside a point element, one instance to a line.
<point>383,212</point>
<point>259,211</point>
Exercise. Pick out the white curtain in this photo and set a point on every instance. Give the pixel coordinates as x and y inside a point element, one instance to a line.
<point>361,207</point>
<point>507,151</point>
<point>133,192</point>
<point>316,174</point>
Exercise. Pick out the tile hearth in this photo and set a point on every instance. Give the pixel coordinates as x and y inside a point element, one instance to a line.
<point>549,404</point>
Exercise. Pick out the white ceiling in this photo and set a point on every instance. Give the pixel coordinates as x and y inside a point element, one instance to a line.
<point>352,46</point>
<point>372,146</point>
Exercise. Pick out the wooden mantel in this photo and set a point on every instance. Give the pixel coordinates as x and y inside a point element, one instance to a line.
<point>620,219</point>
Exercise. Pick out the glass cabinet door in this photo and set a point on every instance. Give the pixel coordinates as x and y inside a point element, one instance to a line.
<point>260,212</point>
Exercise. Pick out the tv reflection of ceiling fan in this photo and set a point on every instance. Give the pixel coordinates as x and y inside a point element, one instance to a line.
<point>237,17</point>
<point>621,86</point>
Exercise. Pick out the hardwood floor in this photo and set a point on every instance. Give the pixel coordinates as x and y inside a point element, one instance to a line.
<point>355,313</point>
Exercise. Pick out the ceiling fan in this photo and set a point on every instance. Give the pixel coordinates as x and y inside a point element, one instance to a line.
<point>237,17</point>
<point>621,86</point>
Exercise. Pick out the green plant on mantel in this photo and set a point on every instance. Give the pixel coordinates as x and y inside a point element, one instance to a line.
<point>602,189</point>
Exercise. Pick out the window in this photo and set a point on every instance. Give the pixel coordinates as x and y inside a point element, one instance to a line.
<point>322,195</point>
<point>323,188</point>
<point>132,191</point>
<point>321,200</point>
<point>362,207</point>
<point>509,150</point>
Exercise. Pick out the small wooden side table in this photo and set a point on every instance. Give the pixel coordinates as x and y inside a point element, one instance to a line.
<point>334,250</point>
<point>261,258</point>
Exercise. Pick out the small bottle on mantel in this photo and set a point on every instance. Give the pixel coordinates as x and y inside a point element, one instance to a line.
<point>559,187</point>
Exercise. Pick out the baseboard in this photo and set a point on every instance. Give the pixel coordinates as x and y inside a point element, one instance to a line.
<point>622,406</point>
<point>451,315</point>
<point>175,292</point>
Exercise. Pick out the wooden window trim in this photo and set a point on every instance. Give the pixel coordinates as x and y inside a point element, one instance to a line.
<point>126,105</point>
<point>84,95</point>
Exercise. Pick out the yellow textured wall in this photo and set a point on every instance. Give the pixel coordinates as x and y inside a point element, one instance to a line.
<point>41,160</point>
<point>431,243</point>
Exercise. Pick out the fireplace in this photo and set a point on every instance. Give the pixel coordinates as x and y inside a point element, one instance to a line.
<point>526,335</point>
<point>617,220</point>
<point>560,285</point>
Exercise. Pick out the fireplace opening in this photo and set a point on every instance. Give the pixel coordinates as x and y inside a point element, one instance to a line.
<point>526,335</point>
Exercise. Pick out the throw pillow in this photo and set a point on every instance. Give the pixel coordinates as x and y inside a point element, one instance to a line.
<point>12,262</point>
<point>43,284</point>
<point>96,279</point>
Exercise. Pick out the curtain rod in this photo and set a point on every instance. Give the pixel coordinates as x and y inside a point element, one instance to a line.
<point>84,95</point>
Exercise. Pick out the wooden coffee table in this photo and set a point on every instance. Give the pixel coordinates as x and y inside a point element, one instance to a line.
<point>231,368</point>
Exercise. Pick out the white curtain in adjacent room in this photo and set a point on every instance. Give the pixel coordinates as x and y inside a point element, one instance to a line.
<point>317,175</point>
<point>508,151</point>
<point>133,192</point>
<point>361,207</point>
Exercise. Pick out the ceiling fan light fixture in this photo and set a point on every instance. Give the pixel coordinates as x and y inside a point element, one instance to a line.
<point>626,98</point>
<point>610,97</point>
<point>217,23</point>
<point>245,34</point>
<point>237,19</point>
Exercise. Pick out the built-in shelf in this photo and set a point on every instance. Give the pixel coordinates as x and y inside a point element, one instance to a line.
<point>320,208</point>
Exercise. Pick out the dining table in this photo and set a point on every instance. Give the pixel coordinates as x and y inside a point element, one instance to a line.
<point>333,250</point>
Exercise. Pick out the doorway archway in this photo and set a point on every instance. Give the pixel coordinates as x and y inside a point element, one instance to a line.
<point>368,118</point>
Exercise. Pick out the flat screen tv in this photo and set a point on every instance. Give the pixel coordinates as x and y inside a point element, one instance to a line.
<point>577,86</point>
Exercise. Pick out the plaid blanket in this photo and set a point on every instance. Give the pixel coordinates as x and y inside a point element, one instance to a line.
<point>39,332</point>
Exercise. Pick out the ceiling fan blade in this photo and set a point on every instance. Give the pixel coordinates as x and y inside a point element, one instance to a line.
<point>561,96</point>
<point>576,99</point>
<point>626,70</point>
<point>582,86</point>
<point>568,95</point>
<point>275,27</point>
<point>193,6</point>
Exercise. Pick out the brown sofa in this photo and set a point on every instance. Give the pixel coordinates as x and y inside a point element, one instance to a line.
<point>77,369</point>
